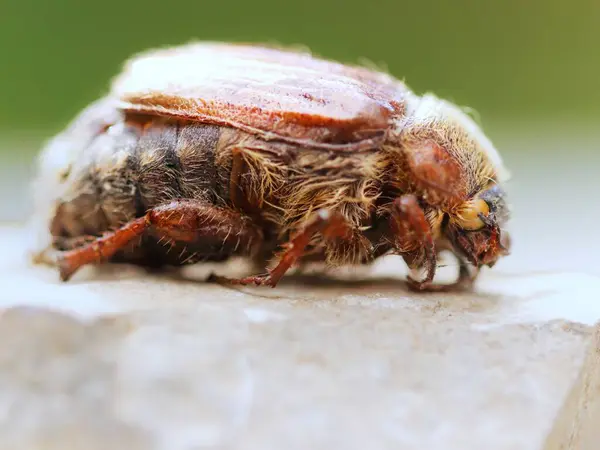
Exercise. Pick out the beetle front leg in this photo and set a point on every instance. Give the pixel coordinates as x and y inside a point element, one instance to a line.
<point>465,280</point>
<point>414,241</point>
<point>328,224</point>
<point>413,238</point>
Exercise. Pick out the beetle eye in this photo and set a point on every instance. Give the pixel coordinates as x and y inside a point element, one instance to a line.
<point>468,216</point>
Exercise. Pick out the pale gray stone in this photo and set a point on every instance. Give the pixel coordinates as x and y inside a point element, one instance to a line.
<point>117,358</point>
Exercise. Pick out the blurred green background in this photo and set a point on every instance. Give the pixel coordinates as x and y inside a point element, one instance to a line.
<point>505,58</point>
<point>529,68</point>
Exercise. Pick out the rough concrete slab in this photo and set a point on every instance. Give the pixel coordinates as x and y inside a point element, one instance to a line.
<point>118,358</point>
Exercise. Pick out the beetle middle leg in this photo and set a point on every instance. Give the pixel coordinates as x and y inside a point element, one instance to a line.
<point>328,224</point>
<point>179,220</point>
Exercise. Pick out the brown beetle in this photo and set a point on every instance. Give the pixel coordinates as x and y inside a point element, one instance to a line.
<point>210,150</point>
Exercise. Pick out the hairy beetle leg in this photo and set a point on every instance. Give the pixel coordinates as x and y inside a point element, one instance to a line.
<point>258,280</point>
<point>412,230</point>
<point>465,281</point>
<point>179,220</point>
<point>330,225</point>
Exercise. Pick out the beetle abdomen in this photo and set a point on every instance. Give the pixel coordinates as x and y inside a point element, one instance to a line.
<point>132,166</point>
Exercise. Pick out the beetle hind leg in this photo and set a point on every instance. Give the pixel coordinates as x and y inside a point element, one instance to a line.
<point>186,221</point>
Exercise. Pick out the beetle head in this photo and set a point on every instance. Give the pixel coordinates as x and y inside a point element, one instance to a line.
<point>476,230</point>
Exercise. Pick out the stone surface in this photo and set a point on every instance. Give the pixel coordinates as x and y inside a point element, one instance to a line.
<point>117,358</point>
<point>577,424</point>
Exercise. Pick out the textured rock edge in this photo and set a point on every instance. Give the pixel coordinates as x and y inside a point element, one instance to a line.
<point>578,423</point>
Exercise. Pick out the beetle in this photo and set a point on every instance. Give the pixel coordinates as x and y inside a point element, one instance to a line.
<point>210,150</point>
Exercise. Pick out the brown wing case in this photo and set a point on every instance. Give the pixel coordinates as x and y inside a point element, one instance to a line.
<point>273,93</point>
